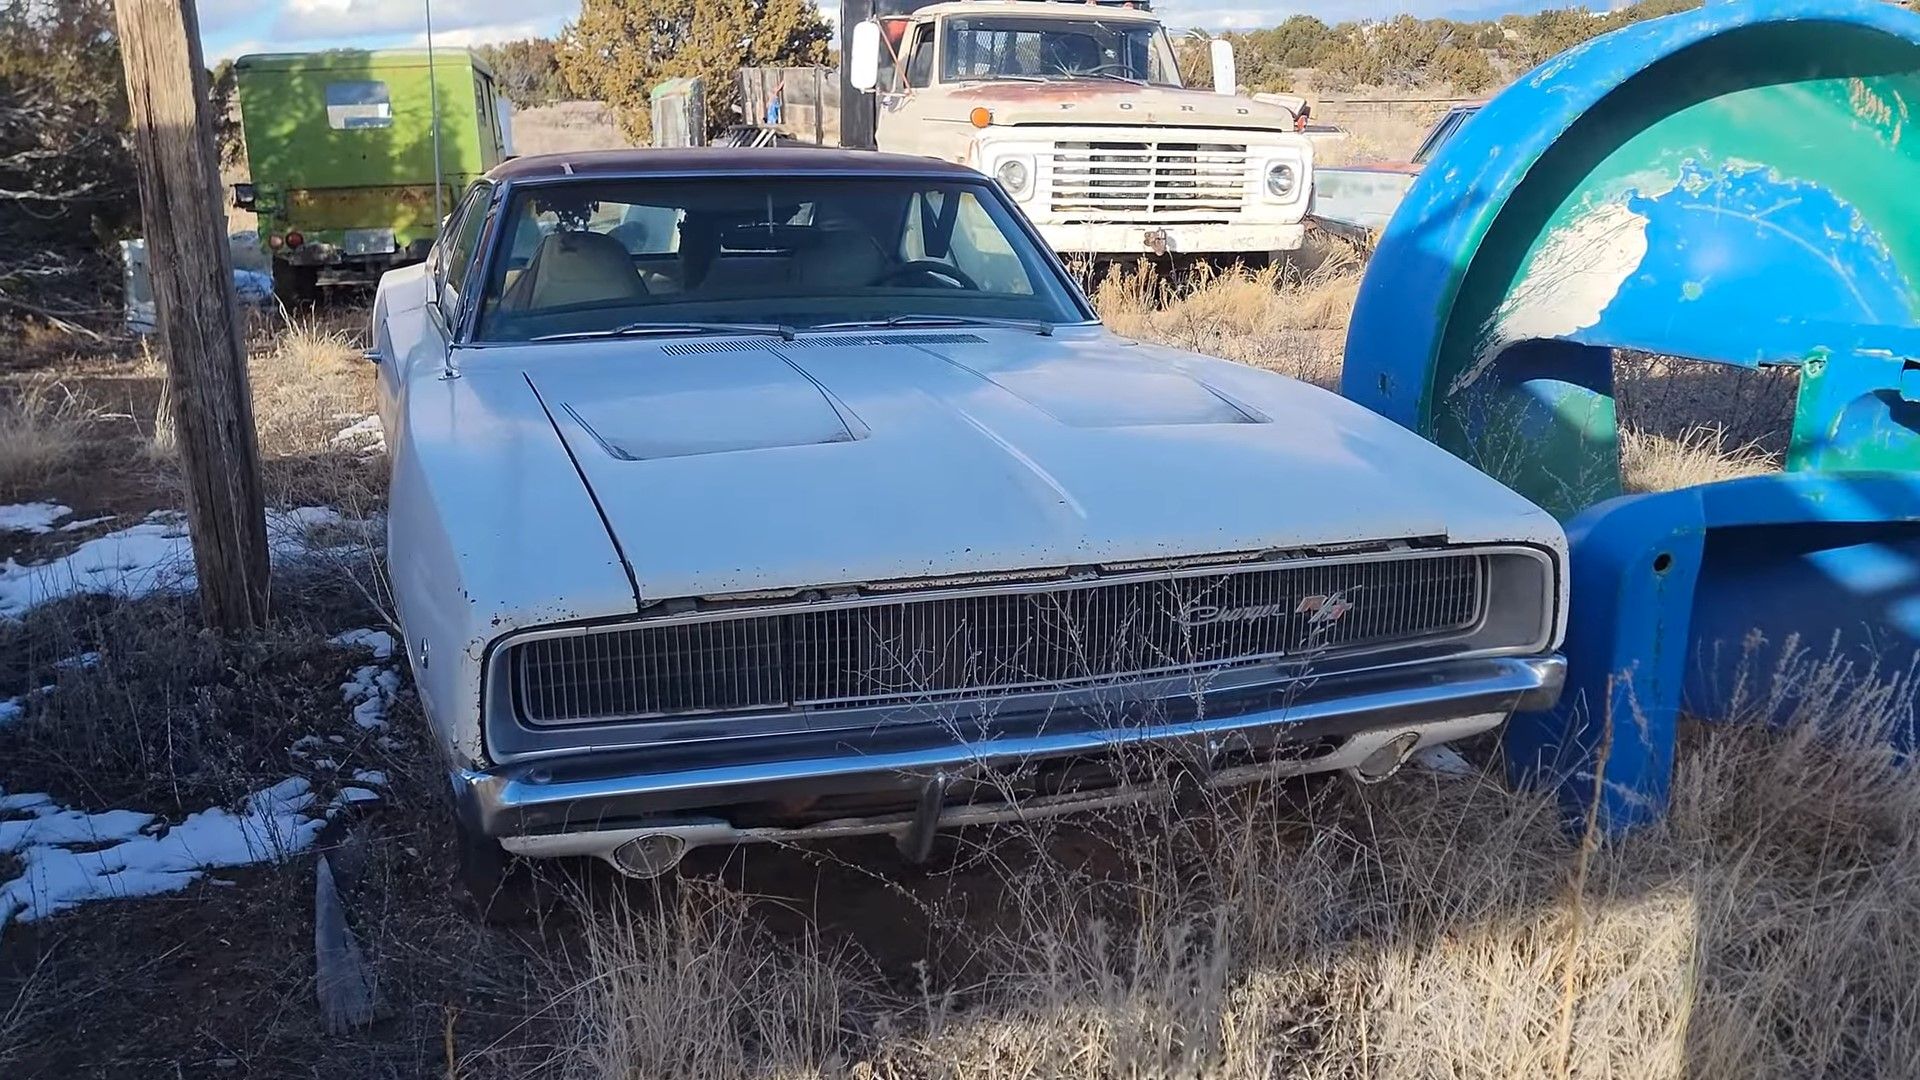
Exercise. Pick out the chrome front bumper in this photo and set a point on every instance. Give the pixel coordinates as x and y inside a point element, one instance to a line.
<point>902,779</point>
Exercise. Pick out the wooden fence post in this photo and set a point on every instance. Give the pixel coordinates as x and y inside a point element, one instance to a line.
<point>199,325</point>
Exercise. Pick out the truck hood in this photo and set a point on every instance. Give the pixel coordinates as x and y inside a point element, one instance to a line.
<point>771,466</point>
<point>1103,101</point>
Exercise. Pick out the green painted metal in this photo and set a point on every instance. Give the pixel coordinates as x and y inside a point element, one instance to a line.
<point>1736,185</point>
<point>320,180</point>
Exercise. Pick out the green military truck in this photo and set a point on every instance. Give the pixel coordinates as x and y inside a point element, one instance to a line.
<point>341,155</point>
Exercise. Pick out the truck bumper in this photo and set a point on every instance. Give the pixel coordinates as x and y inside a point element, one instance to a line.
<point>1145,239</point>
<point>642,810</point>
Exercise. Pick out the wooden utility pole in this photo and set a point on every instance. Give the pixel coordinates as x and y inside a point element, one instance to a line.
<point>199,323</point>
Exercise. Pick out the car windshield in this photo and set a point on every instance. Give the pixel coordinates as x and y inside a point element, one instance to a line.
<point>1011,47</point>
<point>590,257</point>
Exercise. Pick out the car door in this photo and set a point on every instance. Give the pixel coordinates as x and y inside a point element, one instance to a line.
<point>416,346</point>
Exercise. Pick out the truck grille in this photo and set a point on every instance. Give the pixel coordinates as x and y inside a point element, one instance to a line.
<point>1149,181</point>
<point>970,645</point>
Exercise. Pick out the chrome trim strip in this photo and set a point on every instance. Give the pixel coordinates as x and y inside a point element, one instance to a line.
<point>1076,581</point>
<point>580,790</point>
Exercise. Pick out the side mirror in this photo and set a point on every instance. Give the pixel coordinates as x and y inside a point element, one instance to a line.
<point>1221,52</point>
<point>243,196</point>
<point>863,56</point>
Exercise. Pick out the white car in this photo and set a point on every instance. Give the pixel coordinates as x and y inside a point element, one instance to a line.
<point>771,494</point>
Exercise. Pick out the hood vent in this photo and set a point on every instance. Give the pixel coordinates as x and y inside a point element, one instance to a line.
<point>682,348</point>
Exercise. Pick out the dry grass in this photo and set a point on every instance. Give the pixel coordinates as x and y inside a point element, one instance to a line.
<point>1699,455</point>
<point>309,382</point>
<point>1430,927</point>
<point>43,429</point>
<point>1378,137</point>
<point>1669,396</point>
<point>1286,317</point>
<point>217,980</point>
<point>566,126</point>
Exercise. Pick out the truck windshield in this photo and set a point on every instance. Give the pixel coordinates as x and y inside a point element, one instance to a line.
<point>1013,47</point>
<point>590,257</point>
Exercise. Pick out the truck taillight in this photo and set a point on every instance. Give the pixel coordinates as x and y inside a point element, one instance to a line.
<point>294,239</point>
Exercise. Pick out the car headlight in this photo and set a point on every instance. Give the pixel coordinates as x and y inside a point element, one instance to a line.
<point>1280,181</point>
<point>1014,175</point>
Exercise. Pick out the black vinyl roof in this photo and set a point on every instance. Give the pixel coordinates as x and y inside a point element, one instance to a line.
<point>723,161</point>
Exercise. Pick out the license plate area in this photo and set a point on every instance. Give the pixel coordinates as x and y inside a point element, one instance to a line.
<point>368,242</point>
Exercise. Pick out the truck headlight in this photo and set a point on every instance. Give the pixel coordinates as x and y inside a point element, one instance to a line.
<point>1014,175</point>
<point>1280,181</point>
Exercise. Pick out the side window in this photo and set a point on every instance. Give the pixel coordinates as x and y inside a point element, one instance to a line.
<point>1449,124</point>
<point>462,238</point>
<point>358,105</point>
<point>920,56</point>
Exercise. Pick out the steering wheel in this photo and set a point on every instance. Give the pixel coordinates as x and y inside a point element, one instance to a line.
<point>1123,70</point>
<point>931,268</point>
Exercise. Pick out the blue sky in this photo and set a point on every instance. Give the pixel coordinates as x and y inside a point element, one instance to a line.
<point>231,27</point>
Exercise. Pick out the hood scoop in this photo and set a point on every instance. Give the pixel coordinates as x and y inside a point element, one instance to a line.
<point>693,406</point>
<point>1085,393</point>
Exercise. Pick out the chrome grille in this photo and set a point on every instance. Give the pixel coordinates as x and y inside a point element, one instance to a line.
<point>1149,181</point>
<point>919,648</point>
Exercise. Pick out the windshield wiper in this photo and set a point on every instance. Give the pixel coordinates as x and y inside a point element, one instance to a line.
<point>1044,329</point>
<point>659,329</point>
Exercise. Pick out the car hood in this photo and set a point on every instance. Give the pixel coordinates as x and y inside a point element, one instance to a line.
<point>734,465</point>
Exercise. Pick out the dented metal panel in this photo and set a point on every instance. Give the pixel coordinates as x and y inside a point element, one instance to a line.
<point>1731,185</point>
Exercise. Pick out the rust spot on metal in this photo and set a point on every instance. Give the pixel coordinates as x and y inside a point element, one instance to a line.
<point>1021,92</point>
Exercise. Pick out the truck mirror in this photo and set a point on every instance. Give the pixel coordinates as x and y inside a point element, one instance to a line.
<point>863,56</point>
<point>1221,52</point>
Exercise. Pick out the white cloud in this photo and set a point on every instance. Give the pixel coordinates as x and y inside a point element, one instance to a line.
<point>489,32</point>
<point>309,19</point>
<point>216,15</point>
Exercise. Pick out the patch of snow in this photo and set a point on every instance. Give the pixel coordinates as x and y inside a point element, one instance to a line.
<point>87,523</point>
<point>142,857</point>
<point>78,661</point>
<point>13,709</point>
<point>379,641</point>
<point>33,517</point>
<point>154,556</point>
<point>350,795</point>
<point>364,436</point>
<point>370,777</point>
<point>371,690</point>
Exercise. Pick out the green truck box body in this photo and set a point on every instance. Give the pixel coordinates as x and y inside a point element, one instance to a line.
<point>343,140</point>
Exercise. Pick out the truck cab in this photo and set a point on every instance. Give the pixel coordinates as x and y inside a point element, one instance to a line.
<point>1081,112</point>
